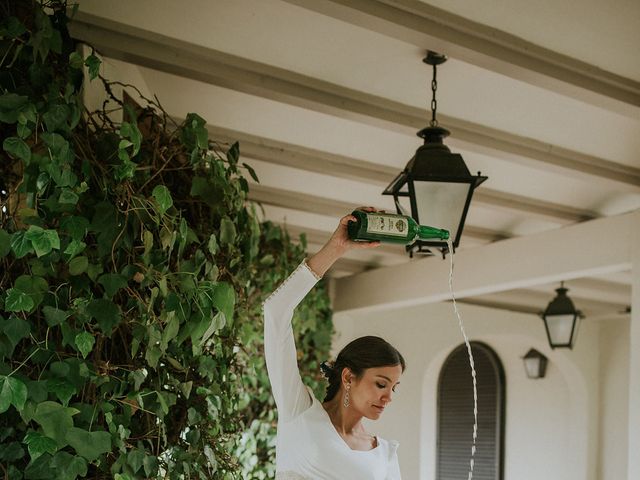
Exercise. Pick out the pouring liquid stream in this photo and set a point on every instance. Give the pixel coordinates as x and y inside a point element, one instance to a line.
<point>471,362</point>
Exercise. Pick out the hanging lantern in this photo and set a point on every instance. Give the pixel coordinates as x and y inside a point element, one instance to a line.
<point>561,320</point>
<point>436,181</point>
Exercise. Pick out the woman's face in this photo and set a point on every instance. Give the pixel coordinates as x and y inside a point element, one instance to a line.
<point>370,394</point>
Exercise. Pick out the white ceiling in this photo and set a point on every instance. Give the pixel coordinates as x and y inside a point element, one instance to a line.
<point>326,96</point>
<point>603,34</point>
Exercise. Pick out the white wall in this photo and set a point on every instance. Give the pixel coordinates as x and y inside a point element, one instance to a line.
<point>552,426</point>
<point>614,390</point>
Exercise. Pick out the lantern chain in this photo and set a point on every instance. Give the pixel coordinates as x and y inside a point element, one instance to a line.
<point>434,102</point>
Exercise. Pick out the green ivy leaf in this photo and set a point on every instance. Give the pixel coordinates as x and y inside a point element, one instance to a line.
<point>233,154</point>
<point>227,231</point>
<point>85,342</point>
<point>12,392</point>
<point>37,444</point>
<point>185,388</point>
<point>211,457</point>
<point>150,466</point>
<point>55,420</point>
<point>56,117</point>
<point>13,102</point>
<point>131,131</point>
<point>112,282</point>
<point>5,243</point>
<point>32,285</point>
<point>127,170</point>
<point>170,330</point>
<point>37,392</point>
<point>139,377</point>
<point>93,63</point>
<point>54,316</point>
<point>74,248</point>
<point>166,400</point>
<point>194,133</point>
<point>90,445</point>
<point>78,265</point>
<point>40,468</point>
<point>163,198</point>
<point>106,313</point>
<point>75,226</point>
<point>15,329</point>
<point>251,171</point>
<point>28,113</point>
<point>62,389</point>
<point>94,270</point>
<point>11,452</point>
<point>23,131</point>
<point>68,197</point>
<point>69,467</point>
<point>153,353</point>
<point>212,245</point>
<point>75,60</point>
<point>224,298</point>
<point>17,148</point>
<point>20,245</point>
<point>135,459</point>
<point>43,241</point>
<point>18,301</point>
<point>12,28</point>
<point>217,322</point>
<point>58,145</point>
<point>201,187</point>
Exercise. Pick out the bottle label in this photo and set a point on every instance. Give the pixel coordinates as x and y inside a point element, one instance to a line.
<point>388,225</point>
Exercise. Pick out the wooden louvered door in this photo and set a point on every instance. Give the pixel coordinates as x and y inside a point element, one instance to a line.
<point>455,415</point>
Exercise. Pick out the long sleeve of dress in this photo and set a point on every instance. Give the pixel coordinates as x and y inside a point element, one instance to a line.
<point>290,394</point>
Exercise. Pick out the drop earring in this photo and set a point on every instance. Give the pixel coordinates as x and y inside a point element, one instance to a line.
<point>346,401</point>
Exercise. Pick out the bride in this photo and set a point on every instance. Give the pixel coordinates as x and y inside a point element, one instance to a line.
<point>327,440</point>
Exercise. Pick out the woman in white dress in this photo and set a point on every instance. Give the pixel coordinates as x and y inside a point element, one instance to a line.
<point>327,441</point>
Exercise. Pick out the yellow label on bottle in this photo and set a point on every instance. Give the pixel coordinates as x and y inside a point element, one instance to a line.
<point>387,225</point>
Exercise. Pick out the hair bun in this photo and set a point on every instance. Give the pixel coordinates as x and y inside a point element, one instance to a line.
<point>327,369</point>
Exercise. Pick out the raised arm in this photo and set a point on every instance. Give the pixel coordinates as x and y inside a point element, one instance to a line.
<point>289,392</point>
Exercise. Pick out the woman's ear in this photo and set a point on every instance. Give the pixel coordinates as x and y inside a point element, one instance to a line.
<point>346,376</point>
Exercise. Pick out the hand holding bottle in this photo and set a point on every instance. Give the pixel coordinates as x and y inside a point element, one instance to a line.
<point>338,244</point>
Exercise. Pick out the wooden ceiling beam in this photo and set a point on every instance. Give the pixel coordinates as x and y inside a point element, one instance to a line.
<point>488,269</point>
<point>303,158</point>
<point>423,25</point>
<point>159,52</point>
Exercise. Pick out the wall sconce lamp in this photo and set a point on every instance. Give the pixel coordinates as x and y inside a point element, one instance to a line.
<point>535,364</point>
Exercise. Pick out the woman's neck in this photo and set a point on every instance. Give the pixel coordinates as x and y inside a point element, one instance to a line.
<point>346,420</point>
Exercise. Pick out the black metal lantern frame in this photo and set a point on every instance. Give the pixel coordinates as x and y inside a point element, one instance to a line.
<point>561,319</point>
<point>437,177</point>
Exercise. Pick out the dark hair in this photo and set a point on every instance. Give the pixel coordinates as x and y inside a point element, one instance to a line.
<point>357,356</point>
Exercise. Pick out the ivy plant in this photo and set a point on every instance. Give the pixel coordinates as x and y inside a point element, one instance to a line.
<point>132,273</point>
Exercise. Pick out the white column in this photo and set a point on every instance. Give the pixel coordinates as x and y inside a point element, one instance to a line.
<point>633,462</point>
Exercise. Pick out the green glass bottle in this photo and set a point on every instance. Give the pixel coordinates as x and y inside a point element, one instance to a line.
<point>390,228</point>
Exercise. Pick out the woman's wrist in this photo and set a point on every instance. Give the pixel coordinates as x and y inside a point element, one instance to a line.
<point>326,257</point>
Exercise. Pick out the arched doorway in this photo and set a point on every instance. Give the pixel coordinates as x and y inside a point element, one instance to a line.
<point>455,415</point>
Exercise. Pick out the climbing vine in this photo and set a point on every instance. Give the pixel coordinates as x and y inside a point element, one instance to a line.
<point>132,272</point>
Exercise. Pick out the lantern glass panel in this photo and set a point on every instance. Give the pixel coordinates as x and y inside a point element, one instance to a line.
<point>441,204</point>
<point>532,366</point>
<point>560,328</point>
